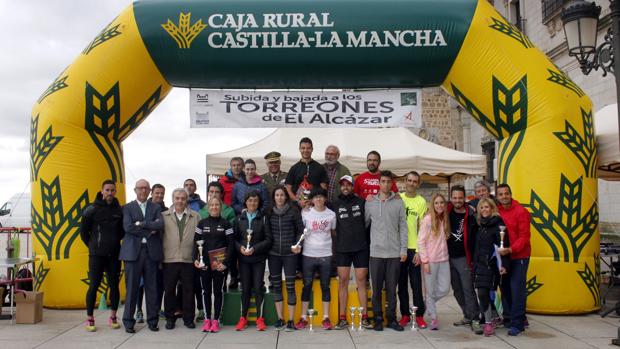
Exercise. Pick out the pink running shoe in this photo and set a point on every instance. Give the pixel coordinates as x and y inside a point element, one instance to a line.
<point>215,326</point>
<point>434,324</point>
<point>206,327</point>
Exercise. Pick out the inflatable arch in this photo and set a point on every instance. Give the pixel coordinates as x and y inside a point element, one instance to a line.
<point>542,119</point>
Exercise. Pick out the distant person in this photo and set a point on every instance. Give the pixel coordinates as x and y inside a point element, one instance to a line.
<point>274,176</point>
<point>228,180</point>
<point>215,190</point>
<point>194,201</point>
<point>101,230</point>
<point>250,182</point>
<point>335,170</point>
<point>367,183</point>
<point>434,233</point>
<point>141,253</point>
<point>305,175</point>
<point>482,189</point>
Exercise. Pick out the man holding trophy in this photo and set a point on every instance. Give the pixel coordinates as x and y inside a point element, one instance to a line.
<point>305,175</point>
<point>514,291</point>
<point>214,244</point>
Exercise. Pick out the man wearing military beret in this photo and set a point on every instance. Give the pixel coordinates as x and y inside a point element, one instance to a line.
<point>274,176</point>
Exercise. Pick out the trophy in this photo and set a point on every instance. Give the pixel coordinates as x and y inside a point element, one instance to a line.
<point>353,309</point>
<point>201,263</point>
<point>301,238</point>
<point>360,311</point>
<point>311,316</point>
<point>502,233</point>
<point>413,309</point>
<point>249,238</point>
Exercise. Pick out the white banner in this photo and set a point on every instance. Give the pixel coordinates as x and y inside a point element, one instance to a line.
<point>379,108</point>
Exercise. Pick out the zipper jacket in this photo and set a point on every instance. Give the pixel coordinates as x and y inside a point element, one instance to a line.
<point>101,228</point>
<point>286,228</point>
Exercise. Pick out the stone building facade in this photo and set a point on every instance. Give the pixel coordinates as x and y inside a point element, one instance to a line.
<point>446,123</point>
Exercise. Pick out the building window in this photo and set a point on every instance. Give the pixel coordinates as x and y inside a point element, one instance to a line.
<point>514,14</point>
<point>550,9</point>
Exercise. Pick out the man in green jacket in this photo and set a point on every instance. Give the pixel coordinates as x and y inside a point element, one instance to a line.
<point>215,189</point>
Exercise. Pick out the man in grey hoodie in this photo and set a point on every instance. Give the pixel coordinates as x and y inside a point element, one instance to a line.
<point>388,248</point>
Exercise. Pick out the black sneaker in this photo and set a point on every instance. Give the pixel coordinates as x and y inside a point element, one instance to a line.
<point>290,326</point>
<point>190,324</point>
<point>378,325</point>
<point>279,325</point>
<point>395,326</point>
<point>341,325</point>
<point>366,324</point>
<point>169,324</point>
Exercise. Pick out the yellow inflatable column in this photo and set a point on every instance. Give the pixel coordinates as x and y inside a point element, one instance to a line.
<point>77,128</point>
<point>546,154</point>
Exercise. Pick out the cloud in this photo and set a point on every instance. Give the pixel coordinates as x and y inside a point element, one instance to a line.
<point>41,38</point>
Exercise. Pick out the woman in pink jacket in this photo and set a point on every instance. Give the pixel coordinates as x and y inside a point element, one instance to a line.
<point>433,249</point>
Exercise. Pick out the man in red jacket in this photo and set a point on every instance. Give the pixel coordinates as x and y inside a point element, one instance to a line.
<point>231,177</point>
<point>514,292</point>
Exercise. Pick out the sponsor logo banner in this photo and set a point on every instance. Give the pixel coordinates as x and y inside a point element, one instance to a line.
<point>378,108</point>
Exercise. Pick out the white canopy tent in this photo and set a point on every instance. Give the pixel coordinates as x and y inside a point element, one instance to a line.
<point>606,123</point>
<point>401,151</point>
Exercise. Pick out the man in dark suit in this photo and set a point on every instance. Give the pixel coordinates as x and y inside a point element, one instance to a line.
<point>142,252</point>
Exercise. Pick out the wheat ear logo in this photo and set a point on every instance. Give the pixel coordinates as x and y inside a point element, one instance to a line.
<point>184,34</point>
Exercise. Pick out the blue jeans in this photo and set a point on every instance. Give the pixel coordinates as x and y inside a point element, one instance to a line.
<point>514,293</point>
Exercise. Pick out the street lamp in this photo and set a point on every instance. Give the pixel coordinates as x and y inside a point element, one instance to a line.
<point>580,19</point>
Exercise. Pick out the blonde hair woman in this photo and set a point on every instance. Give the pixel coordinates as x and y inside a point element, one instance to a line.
<point>433,250</point>
<point>486,271</point>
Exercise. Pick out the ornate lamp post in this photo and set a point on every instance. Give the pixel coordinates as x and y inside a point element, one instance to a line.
<point>580,19</point>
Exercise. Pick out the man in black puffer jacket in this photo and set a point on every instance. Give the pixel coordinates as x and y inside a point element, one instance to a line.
<point>101,230</point>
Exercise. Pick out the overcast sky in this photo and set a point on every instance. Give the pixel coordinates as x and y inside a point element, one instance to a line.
<point>40,38</point>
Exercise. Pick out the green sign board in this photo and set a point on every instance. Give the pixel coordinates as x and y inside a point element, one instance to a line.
<point>304,43</point>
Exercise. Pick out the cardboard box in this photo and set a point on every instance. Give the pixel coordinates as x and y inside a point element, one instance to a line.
<point>29,307</point>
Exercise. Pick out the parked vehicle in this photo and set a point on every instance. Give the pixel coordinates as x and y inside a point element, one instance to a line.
<point>16,211</point>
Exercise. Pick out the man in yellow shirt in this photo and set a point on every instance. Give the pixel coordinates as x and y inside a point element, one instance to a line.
<point>415,208</point>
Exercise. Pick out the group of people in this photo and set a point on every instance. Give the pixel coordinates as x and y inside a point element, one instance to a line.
<point>314,221</point>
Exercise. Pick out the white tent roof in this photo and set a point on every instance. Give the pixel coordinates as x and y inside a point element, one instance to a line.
<point>401,151</point>
<point>606,123</point>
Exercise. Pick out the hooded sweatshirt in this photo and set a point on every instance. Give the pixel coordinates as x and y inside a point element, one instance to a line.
<point>388,231</point>
<point>228,182</point>
<point>101,227</point>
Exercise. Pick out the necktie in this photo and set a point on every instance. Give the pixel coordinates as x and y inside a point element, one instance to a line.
<point>143,208</point>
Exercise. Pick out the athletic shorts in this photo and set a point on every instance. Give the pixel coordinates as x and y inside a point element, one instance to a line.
<point>360,259</point>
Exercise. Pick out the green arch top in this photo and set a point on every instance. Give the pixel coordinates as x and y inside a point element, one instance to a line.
<point>304,43</point>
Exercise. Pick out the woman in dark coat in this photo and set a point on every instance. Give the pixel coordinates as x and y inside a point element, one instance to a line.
<point>486,266</point>
<point>286,229</point>
<point>253,242</point>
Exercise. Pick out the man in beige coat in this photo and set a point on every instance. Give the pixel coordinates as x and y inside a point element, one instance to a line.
<point>178,242</point>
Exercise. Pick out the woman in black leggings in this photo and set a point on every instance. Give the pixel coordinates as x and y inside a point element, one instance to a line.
<point>286,228</point>
<point>251,229</point>
<point>486,272</point>
<point>216,234</point>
